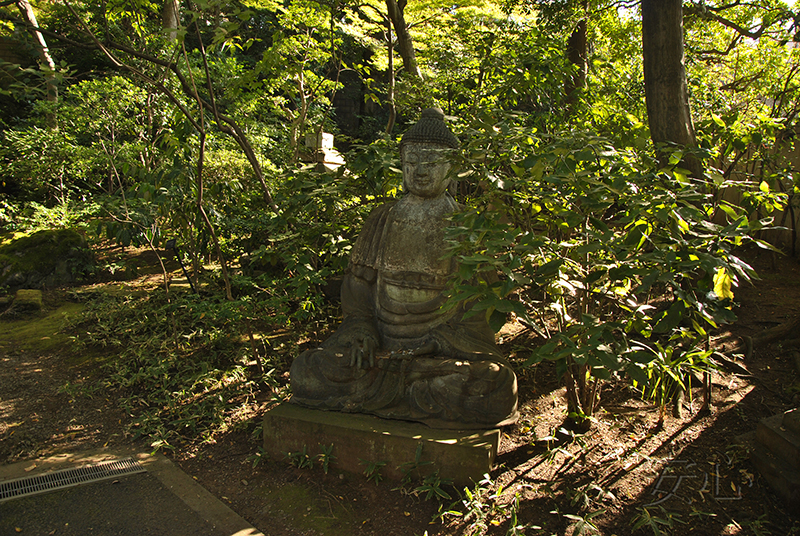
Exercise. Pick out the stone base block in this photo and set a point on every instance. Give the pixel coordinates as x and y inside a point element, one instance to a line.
<point>358,440</point>
<point>791,421</point>
<point>782,441</point>
<point>28,300</point>
<point>777,455</point>
<point>785,481</point>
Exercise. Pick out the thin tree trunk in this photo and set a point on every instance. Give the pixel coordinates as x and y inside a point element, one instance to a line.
<point>215,240</point>
<point>299,121</point>
<point>29,16</point>
<point>201,161</point>
<point>666,92</point>
<point>390,52</point>
<point>404,43</point>
<point>577,53</point>
<point>170,17</point>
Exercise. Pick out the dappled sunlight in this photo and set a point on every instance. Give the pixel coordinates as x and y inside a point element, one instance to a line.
<point>48,394</point>
<point>220,163</point>
<point>692,472</point>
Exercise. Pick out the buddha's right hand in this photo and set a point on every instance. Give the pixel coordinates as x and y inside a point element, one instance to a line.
<point>363,346</point>
<point>430,347</point>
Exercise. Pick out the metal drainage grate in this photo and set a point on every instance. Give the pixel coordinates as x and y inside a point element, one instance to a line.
<point>64,478</point>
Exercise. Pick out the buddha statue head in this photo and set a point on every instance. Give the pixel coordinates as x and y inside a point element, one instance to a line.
<point>423,151</point>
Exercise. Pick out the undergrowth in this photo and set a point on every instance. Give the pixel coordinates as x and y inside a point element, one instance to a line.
<point>184,368</point>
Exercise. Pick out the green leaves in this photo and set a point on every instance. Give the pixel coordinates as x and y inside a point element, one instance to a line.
<point>620,260</point>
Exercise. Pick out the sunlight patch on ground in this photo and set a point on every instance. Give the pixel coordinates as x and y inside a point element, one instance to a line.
<point>40,334</point>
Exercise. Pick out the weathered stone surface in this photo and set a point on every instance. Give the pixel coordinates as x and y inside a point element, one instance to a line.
<point>791,421</point>
<point>45,259</point>
<point>777,455</point>
<point>783,442</point>
<point>28,300</point>
<point>397,354</point>
<point>463,457</point>
<point>784,480</point>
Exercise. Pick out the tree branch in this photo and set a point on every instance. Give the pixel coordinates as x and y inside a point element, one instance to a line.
<point>755,33</point>
<point>226,124</point>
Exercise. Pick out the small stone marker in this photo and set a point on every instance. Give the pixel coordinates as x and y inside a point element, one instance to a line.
<point>778,455</point>
<point>28,300</point>
<point>326,156</point>
<point>462,457</point>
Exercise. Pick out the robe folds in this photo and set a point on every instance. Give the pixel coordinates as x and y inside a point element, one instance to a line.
<point>430,366</point>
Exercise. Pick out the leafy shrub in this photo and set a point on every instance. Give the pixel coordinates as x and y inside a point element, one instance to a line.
<point>618,257</point>
<point>45,258</point>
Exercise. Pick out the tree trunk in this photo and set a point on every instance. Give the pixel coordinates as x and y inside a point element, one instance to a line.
<point>170,18</point>
<point>577,52</point>
<point>29,16</point>
<point>404,43</point>
<point>666,92</point>
<point>392,104</point>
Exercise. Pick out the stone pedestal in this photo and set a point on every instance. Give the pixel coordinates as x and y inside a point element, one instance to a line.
<point>777,456</point>
<point>462,457</point>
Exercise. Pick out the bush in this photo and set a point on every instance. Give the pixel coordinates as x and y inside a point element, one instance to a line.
<point>612,259</point>
<point>45,259</point>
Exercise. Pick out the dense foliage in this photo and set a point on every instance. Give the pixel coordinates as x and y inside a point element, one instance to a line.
<point>620,260</point>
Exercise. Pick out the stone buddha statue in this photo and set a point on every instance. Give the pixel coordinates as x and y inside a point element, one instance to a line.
<point>396,354</point>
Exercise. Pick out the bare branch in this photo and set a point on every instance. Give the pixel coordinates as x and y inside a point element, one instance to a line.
<point>716,52</point>
<point>712,13</point>
<point>740,84</point>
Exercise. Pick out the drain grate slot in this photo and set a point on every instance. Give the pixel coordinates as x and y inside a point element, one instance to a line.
<point>64,478</point>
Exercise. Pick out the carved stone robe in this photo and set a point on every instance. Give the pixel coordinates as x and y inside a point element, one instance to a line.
<point>392,292</point>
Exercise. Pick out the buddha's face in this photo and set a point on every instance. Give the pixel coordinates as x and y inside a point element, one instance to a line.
<point>425,169</point>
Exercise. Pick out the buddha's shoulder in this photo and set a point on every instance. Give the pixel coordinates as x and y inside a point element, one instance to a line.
<point>383,209</point>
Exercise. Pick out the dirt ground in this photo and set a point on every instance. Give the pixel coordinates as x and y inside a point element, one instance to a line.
<point>691,476</point>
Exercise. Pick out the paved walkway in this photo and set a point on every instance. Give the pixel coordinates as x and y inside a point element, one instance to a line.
<point>161,500</point>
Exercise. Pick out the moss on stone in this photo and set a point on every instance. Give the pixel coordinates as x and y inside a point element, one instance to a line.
<point>45,259</point>
<point>29,300</point>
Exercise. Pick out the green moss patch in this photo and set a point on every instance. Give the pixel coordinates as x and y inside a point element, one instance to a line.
<point>307,511</point>
<point>45,259</point>
<point>40,334</point>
